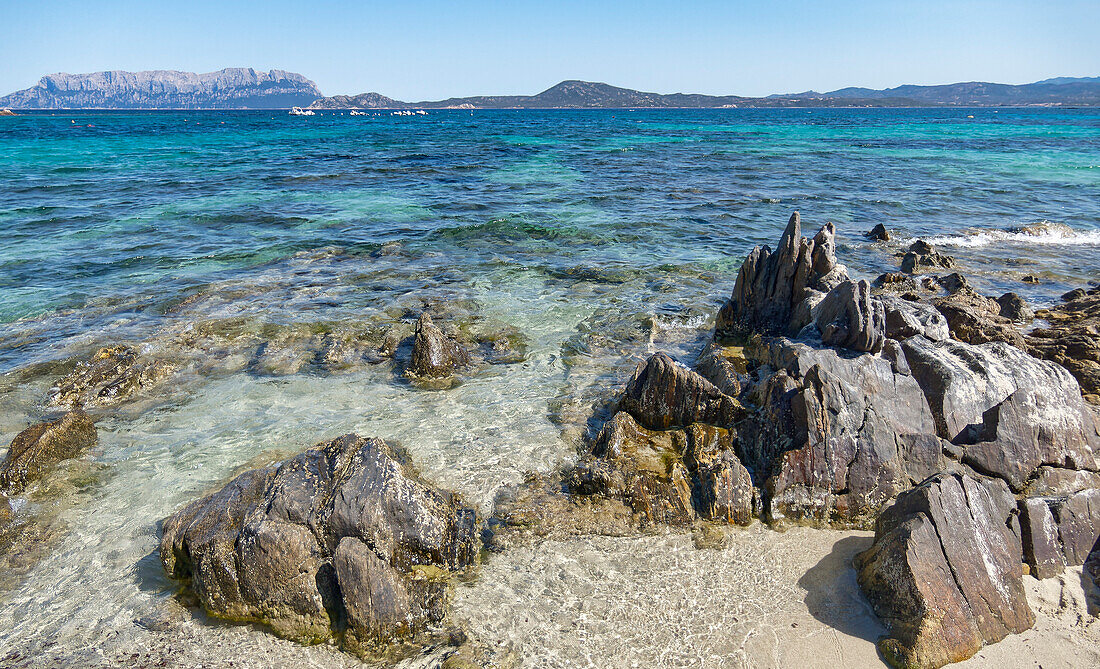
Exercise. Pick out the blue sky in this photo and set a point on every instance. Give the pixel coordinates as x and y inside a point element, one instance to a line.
<point>414,50</point>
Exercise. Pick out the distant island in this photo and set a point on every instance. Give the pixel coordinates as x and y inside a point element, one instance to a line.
<point>231,88</point>
<point>245,88</point>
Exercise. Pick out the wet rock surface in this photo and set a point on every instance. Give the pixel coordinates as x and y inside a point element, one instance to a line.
<point>922,256</point>
<point>434,354</point>
<point>944,572</point>
<point>36,450</point>
<point>342,541</point>
<point>109,376</point>
<point>879,233</point>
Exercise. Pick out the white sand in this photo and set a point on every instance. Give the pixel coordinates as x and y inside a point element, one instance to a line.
<point>766,600</point>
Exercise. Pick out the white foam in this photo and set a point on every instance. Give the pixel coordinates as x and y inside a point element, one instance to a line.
<point>1048,234</point>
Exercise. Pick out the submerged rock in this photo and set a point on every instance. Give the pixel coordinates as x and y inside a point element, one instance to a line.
<point>37,449</point>
<point>112,374</point>
<point>342,540</point>
<point>434,354</point>
<point>944,572</point>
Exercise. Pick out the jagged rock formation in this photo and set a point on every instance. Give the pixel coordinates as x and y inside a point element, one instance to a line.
<point>434,354</point>
<point>231,88</point>
<point>853,397</point>
<point>775,292</point>
<point>342,541</point>
<point>944,572</point>
<point>40,447</point>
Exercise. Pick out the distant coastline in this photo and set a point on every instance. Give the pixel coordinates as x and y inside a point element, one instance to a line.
<point>245,88</point>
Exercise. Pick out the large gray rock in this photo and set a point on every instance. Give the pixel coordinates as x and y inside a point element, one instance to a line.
<point>836,436</point>
<point>1012,412</point>
<point>37,449</point>
<point>944,573</point>
<point>771,285</point>
<point>341,534</point>
<point>906,319</point>
<point>662,393</point>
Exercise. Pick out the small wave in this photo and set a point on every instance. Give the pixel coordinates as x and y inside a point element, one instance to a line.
<point>1044,232</point>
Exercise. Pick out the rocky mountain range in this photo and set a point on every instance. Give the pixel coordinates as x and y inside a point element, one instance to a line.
<point>231,88</point>
<point>574,94</point>
<point>245,88</point>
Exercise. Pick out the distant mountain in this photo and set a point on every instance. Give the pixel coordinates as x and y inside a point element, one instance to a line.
<point>231,88</point>
<point>1070,80</point>
<point>573,94</point>
<point>1065,91</point>
<point>240,88</point>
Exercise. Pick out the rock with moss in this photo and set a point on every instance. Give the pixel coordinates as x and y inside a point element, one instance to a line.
<point>342,540</point>
<point>40,447</point>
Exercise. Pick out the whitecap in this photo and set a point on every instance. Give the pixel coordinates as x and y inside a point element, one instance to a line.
<point>1041,233</point>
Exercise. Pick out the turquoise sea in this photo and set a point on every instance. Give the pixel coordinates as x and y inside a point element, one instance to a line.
<point>230,244</point>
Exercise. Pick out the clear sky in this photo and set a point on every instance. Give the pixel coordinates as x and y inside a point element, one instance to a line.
<point>415,50</point>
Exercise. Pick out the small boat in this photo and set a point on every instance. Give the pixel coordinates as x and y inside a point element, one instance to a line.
<point>298,111</point>
<point>356,112</point>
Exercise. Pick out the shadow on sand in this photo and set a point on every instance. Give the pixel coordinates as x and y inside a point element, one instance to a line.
<point>833,595</point>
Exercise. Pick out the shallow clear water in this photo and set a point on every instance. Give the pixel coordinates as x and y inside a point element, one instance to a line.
<point>601,236</point>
